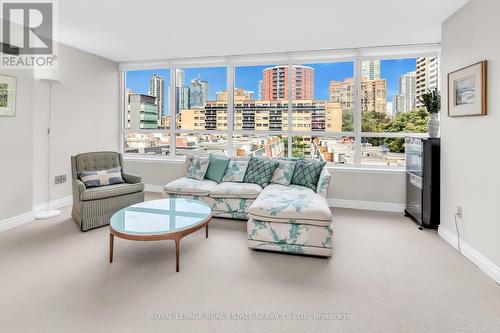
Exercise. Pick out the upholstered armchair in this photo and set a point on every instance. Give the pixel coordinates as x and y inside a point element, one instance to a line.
<point>93,207</point>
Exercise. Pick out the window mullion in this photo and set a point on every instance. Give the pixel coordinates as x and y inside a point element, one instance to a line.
<point>122,105</point>
<point>230,109</point>
<point>172,111</point>
<point>357,113</point>
<point>290,109</point>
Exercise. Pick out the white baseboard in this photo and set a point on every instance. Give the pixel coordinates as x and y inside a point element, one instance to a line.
<point>16,221</point>
<point>54,204</point>
<point>475,257</point>
<point>153,188</point>
<point>367,205</point>
<point>340,203</point>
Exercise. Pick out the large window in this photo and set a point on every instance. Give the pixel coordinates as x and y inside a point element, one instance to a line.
<point>347,112</point>
<point>389,104</point>
<point>146,119</point>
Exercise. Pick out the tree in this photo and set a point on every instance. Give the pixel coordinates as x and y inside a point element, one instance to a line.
<point>347,121</point>
<point>412,122</point>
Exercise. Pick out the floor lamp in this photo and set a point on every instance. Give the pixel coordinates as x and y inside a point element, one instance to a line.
<point>50,78</point>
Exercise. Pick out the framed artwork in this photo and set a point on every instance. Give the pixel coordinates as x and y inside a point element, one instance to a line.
<point>8,95</point>
<point>467,91</point>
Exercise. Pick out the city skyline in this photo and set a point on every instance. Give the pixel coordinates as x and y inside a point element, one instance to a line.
<point>248,77</point>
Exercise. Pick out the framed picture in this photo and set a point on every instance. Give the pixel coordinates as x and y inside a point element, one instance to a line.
<point>8,95</point>
<point>467,91</point>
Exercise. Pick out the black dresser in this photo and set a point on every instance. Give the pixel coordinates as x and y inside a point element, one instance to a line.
<point>423,181</point>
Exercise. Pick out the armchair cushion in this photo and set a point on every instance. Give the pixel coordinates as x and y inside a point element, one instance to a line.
<point>98,178</point>
<point>109,191</point>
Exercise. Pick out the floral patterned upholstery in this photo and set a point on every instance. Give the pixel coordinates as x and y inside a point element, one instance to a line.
<point>291,204</point>
<point>290,248</point>
<point>221,207</point>
<point>236,190</point>
<point>290,233</point>
<point>324,182</point>
<point>283,218</point>
<point>189,186</point>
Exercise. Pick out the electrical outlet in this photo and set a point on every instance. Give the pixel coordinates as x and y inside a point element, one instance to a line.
<point>60,179</point>
<point>459,211</point>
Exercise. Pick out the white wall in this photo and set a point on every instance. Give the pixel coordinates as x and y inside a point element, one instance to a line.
<point>16,150</point>
<point>85,116</point>
<point>470,159</point>
<point>371,189</point>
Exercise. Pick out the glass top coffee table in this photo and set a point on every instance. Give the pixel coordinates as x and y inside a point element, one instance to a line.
<point>162,219</point>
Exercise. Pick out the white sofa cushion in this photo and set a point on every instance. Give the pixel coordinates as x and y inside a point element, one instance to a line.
<point>236,190</point>
<point>290,204</point>
<point>189,186</point>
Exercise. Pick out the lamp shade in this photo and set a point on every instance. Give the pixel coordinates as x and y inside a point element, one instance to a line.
<point>47,75</point>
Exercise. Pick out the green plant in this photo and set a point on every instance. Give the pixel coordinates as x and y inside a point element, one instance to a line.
<point>431,100</point>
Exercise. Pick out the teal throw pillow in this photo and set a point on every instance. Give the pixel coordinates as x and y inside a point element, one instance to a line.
<point>307,173</point>
<point>260,170</point>
<point>216,168</point>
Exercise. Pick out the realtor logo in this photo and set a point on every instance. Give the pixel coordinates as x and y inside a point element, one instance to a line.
<point>28,34</point>
<point>28,27</point>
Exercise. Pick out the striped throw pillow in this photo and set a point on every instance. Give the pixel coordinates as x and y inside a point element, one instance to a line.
<point>101,177</point>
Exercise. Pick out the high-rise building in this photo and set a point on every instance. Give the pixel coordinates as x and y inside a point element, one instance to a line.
<point>239,94</point>
<point>407,90</point>
<point>157,89</point>
<point>397,104</point>
<point>181,91</point>
<point>259,93</point>
<point>370,69</point>
<point>427,76</point>
<point>143,111</point>
<point>373,94</point>
<point>179,77</point>
<point>198,93</point>
<point>181,98</point>
<point>275,83</point>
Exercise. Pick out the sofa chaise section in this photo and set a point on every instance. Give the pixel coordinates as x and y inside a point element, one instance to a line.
<point>291,219</point>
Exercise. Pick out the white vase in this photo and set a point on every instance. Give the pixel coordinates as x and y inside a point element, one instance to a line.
<point>433,125</point>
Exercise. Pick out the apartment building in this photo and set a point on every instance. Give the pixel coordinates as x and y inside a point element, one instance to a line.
<point>373,94</point>
<point>275,83</point>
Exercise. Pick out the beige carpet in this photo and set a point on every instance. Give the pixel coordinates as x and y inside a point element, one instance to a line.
<point>386,275</point>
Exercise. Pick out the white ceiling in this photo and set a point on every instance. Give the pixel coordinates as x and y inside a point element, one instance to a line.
<point>155,29</point>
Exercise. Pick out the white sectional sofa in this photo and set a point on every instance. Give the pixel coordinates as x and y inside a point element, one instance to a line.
<point>292,219</point>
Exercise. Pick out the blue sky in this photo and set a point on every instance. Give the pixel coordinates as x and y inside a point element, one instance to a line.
<point>248,77</point>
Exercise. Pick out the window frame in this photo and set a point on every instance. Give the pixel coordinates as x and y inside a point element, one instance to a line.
<point>356,56</point>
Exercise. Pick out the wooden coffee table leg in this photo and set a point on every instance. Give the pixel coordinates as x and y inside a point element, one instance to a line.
<point>177,246</point>
<point>111,243</point>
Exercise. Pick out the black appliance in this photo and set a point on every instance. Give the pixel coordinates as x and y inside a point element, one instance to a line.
<point>423,181</point>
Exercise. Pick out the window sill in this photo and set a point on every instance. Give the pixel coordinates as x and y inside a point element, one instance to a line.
<point>154,159</point>
<point>365,169</point>
<point>332,167</point>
